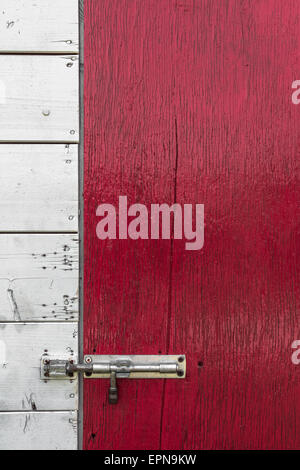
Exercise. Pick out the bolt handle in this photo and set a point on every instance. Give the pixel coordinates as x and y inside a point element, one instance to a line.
<point>113,390</point>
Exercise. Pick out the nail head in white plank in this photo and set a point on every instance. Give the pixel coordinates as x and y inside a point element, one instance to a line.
<point>39,26</point>
<point>38,431</point>
<point>38,256</point>
<point>22,346</point>
<point>26,300</point>
<point>38,188</point>
<point>39,98</point>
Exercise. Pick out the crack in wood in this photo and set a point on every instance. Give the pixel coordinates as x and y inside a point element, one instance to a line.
<point>14,305</point>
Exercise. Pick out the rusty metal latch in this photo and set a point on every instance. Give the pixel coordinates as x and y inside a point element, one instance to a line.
<point>113,368</point>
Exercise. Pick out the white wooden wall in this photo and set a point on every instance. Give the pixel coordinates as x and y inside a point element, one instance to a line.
<point>39,251</point>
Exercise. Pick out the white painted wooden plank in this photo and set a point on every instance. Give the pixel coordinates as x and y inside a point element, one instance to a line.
<point>39,300</point>
<point>39,98</point>
<point>38,256</point>
<point>38,277</point>
<point>38,188</point>
<point>39,26</point>
<point>38,431</point>
<point>22,347</point>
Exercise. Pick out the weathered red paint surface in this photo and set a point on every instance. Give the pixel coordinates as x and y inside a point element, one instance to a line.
<point>190,101</point>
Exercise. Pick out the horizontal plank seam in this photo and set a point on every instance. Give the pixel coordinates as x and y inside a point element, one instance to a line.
<point>38,232</point>
<point>37,411</point>
<point>20,142</point>
<point>42,322</point>
<point>39,53</point>
<point>32,322</point>
<point>39,142</point>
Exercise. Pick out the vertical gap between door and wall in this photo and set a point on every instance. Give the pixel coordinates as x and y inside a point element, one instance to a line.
<point>81,216</point>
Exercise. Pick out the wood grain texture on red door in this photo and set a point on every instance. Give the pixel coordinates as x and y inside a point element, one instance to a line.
<point>189,101</point>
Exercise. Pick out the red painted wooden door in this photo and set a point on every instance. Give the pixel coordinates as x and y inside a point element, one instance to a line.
<point>189,101</point>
